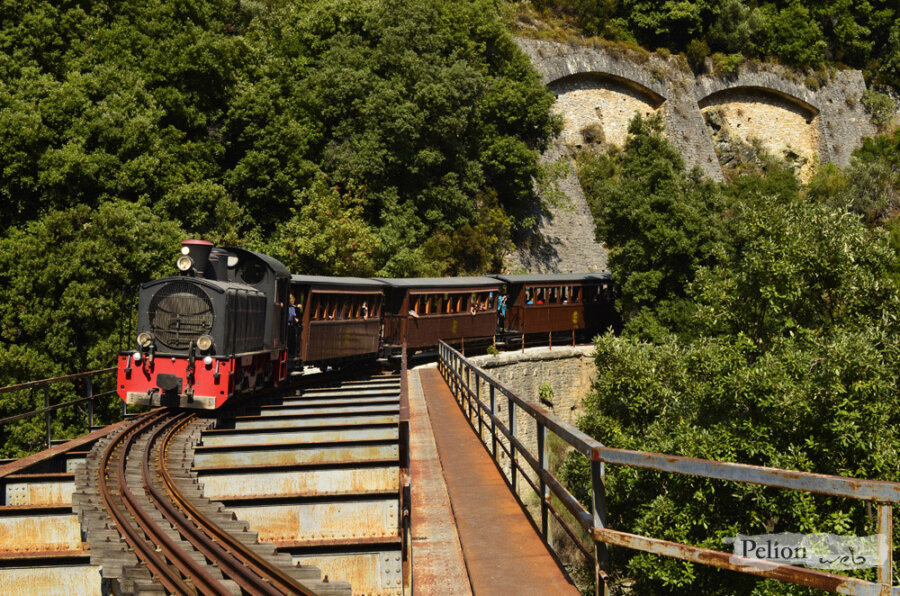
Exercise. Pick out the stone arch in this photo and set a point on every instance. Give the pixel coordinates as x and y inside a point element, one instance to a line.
<point>597,106</point>
<point>782,124</point>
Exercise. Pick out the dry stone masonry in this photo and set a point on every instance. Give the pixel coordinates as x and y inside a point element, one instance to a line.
<point>765,107</point>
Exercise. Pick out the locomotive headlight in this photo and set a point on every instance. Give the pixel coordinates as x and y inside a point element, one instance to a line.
<point>144,339</point>
<point>208,361</point>
<point>136,356</point>
<point>185,250</point>
<point>204,342</point>
<point>184,263</point>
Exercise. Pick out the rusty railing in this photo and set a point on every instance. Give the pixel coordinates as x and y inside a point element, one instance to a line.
<point>469,384</point>
<point>48,409</point>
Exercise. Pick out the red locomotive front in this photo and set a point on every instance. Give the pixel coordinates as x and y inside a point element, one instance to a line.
<point>213,332</point>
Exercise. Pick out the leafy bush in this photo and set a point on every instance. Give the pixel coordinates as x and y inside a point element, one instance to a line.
<point>880,106</point>
<point>771,314</point>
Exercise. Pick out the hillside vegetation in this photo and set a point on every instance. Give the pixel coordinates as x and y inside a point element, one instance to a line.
<point>762,328</point>
<point>864,35</point>
<point>343,137</point>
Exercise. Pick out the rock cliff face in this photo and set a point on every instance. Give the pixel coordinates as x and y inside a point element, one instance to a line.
<point>713,121</point>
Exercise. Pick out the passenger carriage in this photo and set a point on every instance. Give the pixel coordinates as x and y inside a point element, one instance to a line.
<point>580,303</point>
<point>426,310</point>
<point>340,318</point>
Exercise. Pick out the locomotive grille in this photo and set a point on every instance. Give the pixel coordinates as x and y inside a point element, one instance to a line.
<point>180,313</point>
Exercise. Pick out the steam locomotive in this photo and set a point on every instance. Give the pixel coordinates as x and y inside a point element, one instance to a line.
<point>222,328</point>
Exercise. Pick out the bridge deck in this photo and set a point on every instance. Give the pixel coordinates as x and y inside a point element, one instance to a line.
<point>502,551</point>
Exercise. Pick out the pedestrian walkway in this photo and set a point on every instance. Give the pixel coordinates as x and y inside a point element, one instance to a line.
<point>503,553</point>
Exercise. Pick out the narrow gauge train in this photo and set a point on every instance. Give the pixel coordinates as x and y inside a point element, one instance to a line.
<point>225,326</point>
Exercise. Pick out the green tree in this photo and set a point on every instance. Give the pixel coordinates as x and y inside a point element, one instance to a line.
<point>659,223</point>
<point>68,282</point>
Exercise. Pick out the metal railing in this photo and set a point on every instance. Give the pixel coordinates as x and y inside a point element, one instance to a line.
<point>48,409</point>
<point>466,382</point>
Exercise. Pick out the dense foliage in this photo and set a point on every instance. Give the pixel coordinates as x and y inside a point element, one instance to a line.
<point>863,35</point>
<point>761,328</point>
<point>381,136</point>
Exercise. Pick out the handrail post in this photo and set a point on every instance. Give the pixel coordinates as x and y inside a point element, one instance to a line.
<point>493,421</point>
<point>47,414</point>
<point>545,491</point>
<point>512,446</point>
<point>885,544</point>
<point>89,392</point>
<point>598,506</point>
<point>469,391</point>
<point>478,408</point>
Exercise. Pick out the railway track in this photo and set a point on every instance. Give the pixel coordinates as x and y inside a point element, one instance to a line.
<point>297,492</point>
<point>177,541</point>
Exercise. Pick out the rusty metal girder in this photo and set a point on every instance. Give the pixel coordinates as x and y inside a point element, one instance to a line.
<point>348,520</point>
<point>300,482</point>
<point>369,573</point>
<point>289,422</point>
<point>40,532</point>
<point>297,454</point>
<point>73,580</point>
<point>40,490</point>
<point>293,435</point>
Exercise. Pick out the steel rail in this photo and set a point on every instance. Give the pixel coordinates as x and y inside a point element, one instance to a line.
<point>171,580</point>
<point>200,578</point>
<point>252,572</point>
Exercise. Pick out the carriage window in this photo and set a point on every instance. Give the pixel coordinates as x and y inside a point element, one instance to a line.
<point>553,295</point>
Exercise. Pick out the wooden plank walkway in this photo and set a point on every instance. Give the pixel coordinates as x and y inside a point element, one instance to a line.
<point>503,553</point>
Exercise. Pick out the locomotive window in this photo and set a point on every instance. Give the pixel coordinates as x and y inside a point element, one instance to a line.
<point>575,294</point>
<point>251,272</point>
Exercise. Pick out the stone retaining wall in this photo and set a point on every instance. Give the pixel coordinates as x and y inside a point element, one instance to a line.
<point>599,89</point>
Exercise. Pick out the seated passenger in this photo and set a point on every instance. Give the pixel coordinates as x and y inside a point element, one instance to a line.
<point>364,310</point>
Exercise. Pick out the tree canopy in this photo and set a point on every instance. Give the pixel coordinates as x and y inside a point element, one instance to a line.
<point>364,137</point>
<point>761,328</point>
<point>863,35</point>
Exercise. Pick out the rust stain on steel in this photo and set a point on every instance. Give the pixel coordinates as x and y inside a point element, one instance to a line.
<point>41,555</point>
<point>273,484</point>
<point>354,393</point>
<point>40,493</point>
<point>316,521</point>
<point>40,533</point>
<point>313,422</point>
<point>326,410</point>
<point>80,580</point>
<point>854,488</point>
<point>297,456</point>
<point>368,574</point>
<point>311,403</point>
<point>787,573</point>
<point>299,436</point>
<point>439,568</point>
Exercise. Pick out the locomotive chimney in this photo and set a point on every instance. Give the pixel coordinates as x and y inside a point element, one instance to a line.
<point>198,251</point>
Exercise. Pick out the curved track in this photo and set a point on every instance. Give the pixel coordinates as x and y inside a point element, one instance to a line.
<point>136,502</point>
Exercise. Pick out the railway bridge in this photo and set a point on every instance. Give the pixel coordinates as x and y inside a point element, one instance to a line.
<point>434,479</point>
